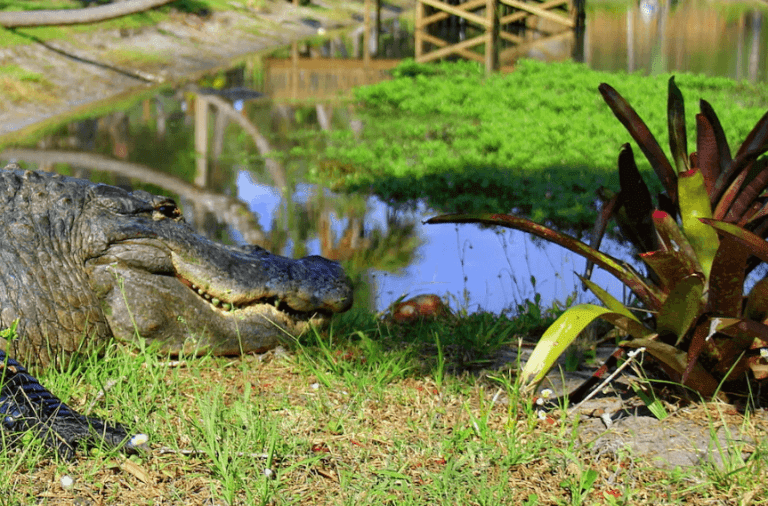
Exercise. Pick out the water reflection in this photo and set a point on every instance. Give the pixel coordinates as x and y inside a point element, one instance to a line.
<point>261,200</point>
<point>198,148</point>
<point>653,36</point>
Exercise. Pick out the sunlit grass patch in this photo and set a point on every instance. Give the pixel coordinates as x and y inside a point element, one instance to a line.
<point>19,84</point>
<point>355,416</point>
<point>135,58</point>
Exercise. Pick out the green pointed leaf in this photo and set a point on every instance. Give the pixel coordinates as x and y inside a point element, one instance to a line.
<point>694,204</point>
<point>649,295</point>
<point>677,360</point>
<point>682,307</point>
<point>632,325</point>
<point>606,298</point>
<point>756,244</point>
<point>559,336</point>
<point>640,133</point>
<point>653,404</point>
<point>676,124</point>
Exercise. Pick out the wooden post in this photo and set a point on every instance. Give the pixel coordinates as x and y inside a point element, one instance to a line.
<point>201,141</point>
<point>377,33</point>
<point>491,47</point>
<point>417,32</point>
<point>545,17</point>
<point>294,85</point>
<point>367,33</point>
<point>146,110</point>
<point>579,13</point>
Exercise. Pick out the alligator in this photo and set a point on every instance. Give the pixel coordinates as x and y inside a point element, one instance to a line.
<point>82,264</point>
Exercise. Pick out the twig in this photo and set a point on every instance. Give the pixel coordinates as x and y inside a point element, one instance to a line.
<point>107,387</point>
<point>630,356</point>
<point>164,450</point>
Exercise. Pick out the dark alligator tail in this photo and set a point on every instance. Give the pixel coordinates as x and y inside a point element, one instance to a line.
<point>26,405</point>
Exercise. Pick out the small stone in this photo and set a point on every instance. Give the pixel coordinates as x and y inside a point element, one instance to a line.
<point>138,441</point>
<point>67,482</point>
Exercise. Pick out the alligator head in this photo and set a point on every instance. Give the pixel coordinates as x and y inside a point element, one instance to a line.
<point>82,262</point>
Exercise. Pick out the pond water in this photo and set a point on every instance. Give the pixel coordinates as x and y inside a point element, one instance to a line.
<point>726,39</point>
<point>171,139</point>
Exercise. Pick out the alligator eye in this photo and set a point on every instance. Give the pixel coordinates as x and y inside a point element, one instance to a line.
<point>168,210</point>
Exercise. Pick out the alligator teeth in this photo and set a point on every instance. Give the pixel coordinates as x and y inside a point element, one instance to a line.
<point>214,301</point>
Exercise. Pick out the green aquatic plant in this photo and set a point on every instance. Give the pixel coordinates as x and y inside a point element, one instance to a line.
<point>700,238</point>
<point>520,143</point>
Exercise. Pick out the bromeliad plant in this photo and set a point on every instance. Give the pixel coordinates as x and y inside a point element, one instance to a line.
<point>704,235</point>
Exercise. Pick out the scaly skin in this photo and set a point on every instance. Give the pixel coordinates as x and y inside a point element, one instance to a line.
<point>81,263</point>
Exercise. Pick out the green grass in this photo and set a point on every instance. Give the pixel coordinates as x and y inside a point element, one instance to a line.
<point>18,84</point>
<point>355,416</point>
<point>539,140</point>
<point>136,58</point>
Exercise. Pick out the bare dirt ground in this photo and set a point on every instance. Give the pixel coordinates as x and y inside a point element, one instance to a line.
<point>616,422</point>
<point>97,65</point>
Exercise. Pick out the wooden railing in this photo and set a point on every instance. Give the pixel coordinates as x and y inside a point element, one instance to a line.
<point>490,29</point>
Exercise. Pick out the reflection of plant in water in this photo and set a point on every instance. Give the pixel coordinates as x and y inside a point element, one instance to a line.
<point>299,221</point>
<point>702,331</point>
<point>158,134</point>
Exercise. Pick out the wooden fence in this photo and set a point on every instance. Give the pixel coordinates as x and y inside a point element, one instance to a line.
<point>487,30</point>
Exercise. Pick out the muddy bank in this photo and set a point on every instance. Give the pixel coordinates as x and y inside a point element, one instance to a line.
<point>98,65</point>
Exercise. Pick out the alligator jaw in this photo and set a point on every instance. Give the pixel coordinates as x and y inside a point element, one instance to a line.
<point>220,303</point>
<point>200,296</point>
